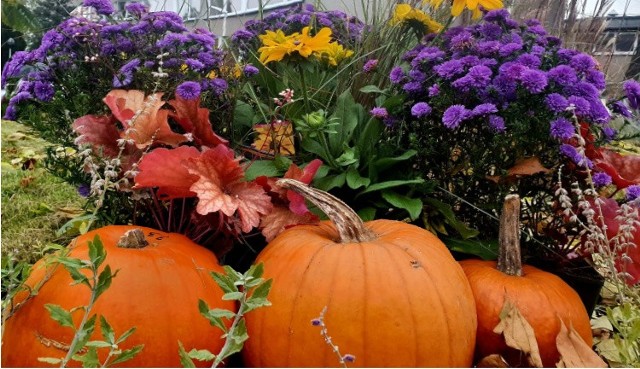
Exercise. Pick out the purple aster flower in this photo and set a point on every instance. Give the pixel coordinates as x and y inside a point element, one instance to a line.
<point>316,322</point>
<point>131,66</point>
<point>348,358</point>
<point>573,154</point>
<point>122,79</point>
<point>43,90</point>
<point>632,90</point>
<point>556,102</point>
<point>537,30</point>
<point>84,190</point>
<point>487,48</point>
<point>370,65</point>
<point>379,112</point>
<point>102,6</point>
<point>219,86</point>
<point>412,87</point>
<point>619,108</point>
<point>194,64</point>
<point>582,62</point>
<point>136,9</point>
<point>496,122</point>
<point>420,110</point>
<point>534,81</point>
<point>417,75</point>
<point>461,40</point>
<point>454,115</point>
<point>510,48</point>
<point>484,109</point>
<point>250,71</point>
<point>496,16</point>
<point>11,113</point>
<point>601,179</point>
<point>565,55</point>
<point>188,90</point>
<point>609,133</point>
<point>596,78</point>
<point>562,129</point>
<point>490,31</point>
<point>581,106</point>
<point>434,90</point>
<point>20,97</point>
<point>529,60</point>
<point>389,121</point>
<point>562,75</point>
<point>633,192</point>
<point>396,75</point>
<point>512,70</point>
<point>449,69</point>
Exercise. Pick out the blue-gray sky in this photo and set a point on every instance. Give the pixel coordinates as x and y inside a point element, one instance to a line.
<point>619,6</point>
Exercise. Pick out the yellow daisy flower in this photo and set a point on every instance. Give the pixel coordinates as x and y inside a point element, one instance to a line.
<point>276,45</point>
<point>404,13</point>
<point>306,45</point>
<point>474,5</point>
<point>336,53</point>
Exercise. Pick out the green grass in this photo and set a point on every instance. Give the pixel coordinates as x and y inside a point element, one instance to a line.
<point>34,203</point>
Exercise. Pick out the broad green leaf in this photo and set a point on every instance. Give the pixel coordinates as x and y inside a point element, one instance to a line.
<point>226,284</point>
<point>243,114</point>
<point>89,359</point>
<point>312,146</point>
<point>75,226</point>
<point>367,214</point>
<point>346,113</point>
<point>386,163</point>
<point>201,355</point>
<point>107,331</point>
<point>450,217</point>
<point>185,360</point>
<point>355,180</point>
<point>331,181</point>
<point>50,360</point>
<point>18,16</point>
<point>348,157</point>
<point>372,89</point>
<point>128,354</point>
<point>390,184</point>
<point>232,296</point>
<point>411,205</point>
<point>262,291</point>
<point>259,168</point>
<point>60,315</point>
<point>485,249</point>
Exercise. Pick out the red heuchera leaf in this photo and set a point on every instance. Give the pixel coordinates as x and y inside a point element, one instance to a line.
<point>281,218</point>
<point>610,209</point>
<point>195,120</point>
<point>296,201</point>
<point>623,169</point>
<point>147,121</point>
<point>220,187</point>
<point>165,169</point>
<point>98,131</point>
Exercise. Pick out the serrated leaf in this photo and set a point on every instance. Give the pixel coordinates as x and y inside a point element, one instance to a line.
<point>259,168</point>
<point>518,333</point>
<point>240,334</point>
<point>214,320</point>
<point>60,315</point>
<point>232,296</point>
<point>255,271</point>
<point>98,344</point>
<point>201,355</point>
<point>185,360</point>
<point>97,254</point>
<point>253,304</point>
<point>221,313</point>
<point>574,352</point>
<point>104,281</point>
<point>226,284</point>
<point>71,263</point>
<point>412,206</point>
<point>107,331</point>
<point>84,334</point>
<point>126,335</point>
<point>50,360</point>
<point>89,359</point>
<point>127,355</point>
<point>262,291</point>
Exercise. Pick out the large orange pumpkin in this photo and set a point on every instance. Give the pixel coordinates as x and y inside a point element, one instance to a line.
<point>156,290</point>
<point>542,298</point>
<point>394,295</point>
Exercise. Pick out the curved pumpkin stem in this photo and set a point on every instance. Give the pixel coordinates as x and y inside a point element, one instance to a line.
<point>350,227</point>
<point>133,239</point>
<point>509,260</point>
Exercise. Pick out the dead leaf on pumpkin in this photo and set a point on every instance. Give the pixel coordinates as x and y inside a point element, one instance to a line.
<point>523,167</point>
<point>275,138</point>
<point>518,333</point>
<point>492,361</point>
<point>574,352</point>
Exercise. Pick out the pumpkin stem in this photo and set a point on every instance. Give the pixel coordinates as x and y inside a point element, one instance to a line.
<point>509,261</point>
<point>350,227</point>
<point>133,239</point>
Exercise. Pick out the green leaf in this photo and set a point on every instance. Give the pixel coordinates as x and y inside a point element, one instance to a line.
<point>84,334</point>
<point>262,291</point>
<point>346,113</point>
<point>485,249</point>
<point>201,355</point>
<point>232,296</point>
<point>126,335</point>
<point>18,16</point>
<point>104,281</point>
<point>390,184</point>
<point>50,360</point>
<point>71,263</point>
<point>98,344</point>
<point>411,205</point>
<point>89,359</point>
<point>185,360</point>
<point>355,180</point>
<point>128,354</point>
<point>372,89</point>
<point>232,274</point>
<point>75,226</point>
<point>226,284</point>
<point>259,168</point>
<point>255,271</point>
<point>213,319</point>
<point>97,253</point>
<point>60,315</point>
<point>386,163</point>
<point>367,214</point>
<point>331,181</point>
<point>445,209</point>
<point>238,337</point>
<point>348,157</point>
<point>243,114</point>
<point>221,313</point>
<point>107,331</point>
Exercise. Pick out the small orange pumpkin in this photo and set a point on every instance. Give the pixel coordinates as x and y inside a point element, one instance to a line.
<point>156,290</point>
<point>394,295</point>
<point>542,298</point>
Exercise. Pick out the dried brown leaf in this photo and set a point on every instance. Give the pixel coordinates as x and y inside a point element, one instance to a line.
<point>574,352</point>
<point>523,167</point>
<point>492,361</point>
<point>518,333</point>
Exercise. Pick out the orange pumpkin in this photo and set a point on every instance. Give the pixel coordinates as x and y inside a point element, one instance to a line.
<point>156,290</point>
<point>541,297</point>
<point>394,295</point>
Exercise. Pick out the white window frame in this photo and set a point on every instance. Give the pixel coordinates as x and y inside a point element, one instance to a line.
<point>611,49</point>
<point>244,8</point>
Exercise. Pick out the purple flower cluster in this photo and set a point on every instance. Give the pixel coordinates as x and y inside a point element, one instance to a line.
<point>106,54</point>
<point>347,30</point>
<point>499,74</point>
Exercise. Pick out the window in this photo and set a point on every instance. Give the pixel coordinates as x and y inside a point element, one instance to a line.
<point>192,9</point>
<point>620,43</point>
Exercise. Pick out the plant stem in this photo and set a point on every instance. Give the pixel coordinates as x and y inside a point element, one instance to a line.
<point>304,89</point>
<point>509,260</point>
<point>227,343</point>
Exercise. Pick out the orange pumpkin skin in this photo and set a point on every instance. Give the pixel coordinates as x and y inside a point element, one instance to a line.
<point>400,300</point>
<point>156,290</point>
<point>541,298</point>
